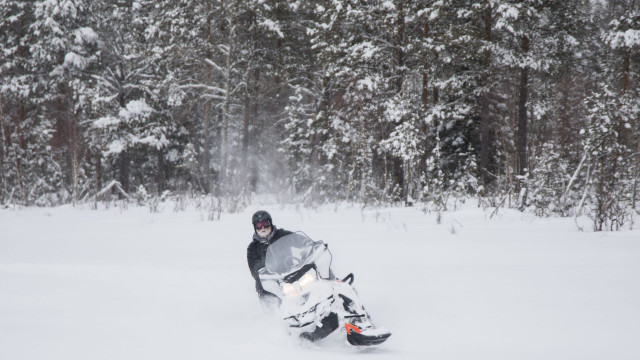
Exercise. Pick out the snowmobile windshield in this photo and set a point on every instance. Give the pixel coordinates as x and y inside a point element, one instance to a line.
<point>291,252</point>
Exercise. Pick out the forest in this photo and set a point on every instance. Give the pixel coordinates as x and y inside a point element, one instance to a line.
<point>528,104</point>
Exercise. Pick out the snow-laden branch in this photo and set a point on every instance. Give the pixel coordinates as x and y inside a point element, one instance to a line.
<point>573,178</point>
<point>382,41</point>
<point>211,96</point>
<point>238,87</point>
<point>102,80</point>
<point>214,65</point>
<point>111,185</point>
<point>202,86</point>
<point>304,90</point>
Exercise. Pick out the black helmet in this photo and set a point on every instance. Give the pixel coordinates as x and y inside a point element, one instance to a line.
<point>261,215</point>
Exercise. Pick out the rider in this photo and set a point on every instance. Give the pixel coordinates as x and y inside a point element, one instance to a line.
<point>265,234</point>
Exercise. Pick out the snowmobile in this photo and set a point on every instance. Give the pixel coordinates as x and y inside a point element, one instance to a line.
<point>313,303</point>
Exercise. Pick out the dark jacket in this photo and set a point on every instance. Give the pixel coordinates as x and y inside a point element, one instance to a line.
<point>257,252</point>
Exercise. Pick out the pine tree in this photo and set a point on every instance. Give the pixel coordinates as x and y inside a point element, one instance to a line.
<point>65,47</point>
<point>130,124</point>
<point>16,90</point>
<point>557,110</point>
<point>609,183</point>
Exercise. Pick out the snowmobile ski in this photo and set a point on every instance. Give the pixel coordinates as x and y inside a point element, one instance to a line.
<point>359,339</point>
<point>369,337</point>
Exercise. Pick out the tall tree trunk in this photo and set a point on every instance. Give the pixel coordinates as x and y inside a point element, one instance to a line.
<point>18,152</point>
<point>424,98</point>
<point>21,120</point>
<point>245,131</point>
<point>425,88</point>
<point>161,172</point>
<point>397,164</point>
<point>74,150</point>
<point>207,135</point>
<point>248,108</point>
<point>123,163</point>
<point>436,91</point>
<point>123,159</point>
<point>485,116</point>
<point>61,143</point>
<point>425,77</point>
<point>251,141</point>
<point>564,132</point>
<point>226,108</point>
<point>98,171</point>
<point>522,133</point>
<point>626,65</point>
<point>203,173</point>
<point>400,39</point>
<point>3,154</point>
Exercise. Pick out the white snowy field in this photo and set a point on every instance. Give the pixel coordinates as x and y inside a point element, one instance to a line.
<point>110,284</point>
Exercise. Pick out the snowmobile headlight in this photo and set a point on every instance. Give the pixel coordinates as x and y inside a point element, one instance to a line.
<point>307,279</point>
<point>294,289</point>
<point>289,290</point>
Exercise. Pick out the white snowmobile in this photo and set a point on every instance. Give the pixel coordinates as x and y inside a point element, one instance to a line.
<point>312,302</point>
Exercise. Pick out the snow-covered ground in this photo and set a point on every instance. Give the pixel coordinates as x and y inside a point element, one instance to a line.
<point>121,284</point>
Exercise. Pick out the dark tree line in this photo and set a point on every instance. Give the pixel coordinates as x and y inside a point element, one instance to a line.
<point>532,103</point>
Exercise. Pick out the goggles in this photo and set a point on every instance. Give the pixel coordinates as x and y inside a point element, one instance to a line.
<point>262,224</point>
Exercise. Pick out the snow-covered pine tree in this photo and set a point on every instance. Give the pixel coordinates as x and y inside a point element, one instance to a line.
<point>610,182</point>
<point>519,23</point>
<point>557,111</point>
<point>347,84</point>
<point>65,48</point>
<point>615,120</point>
<point>623,39</point>
<point>549,180</point>
<point>43,99</point>
<point>17,91</point>
<point>407,109</point>
<point>467,110</point>
<point>129,130</point>
<point>185,37</point>
<point>223,72</point>
<point>363,50</point>
<point>307,143</point>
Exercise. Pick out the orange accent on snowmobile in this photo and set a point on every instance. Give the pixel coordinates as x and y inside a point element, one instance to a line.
<point>351,327</point>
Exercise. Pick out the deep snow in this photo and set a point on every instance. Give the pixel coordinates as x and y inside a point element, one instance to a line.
<point>122,284</point>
